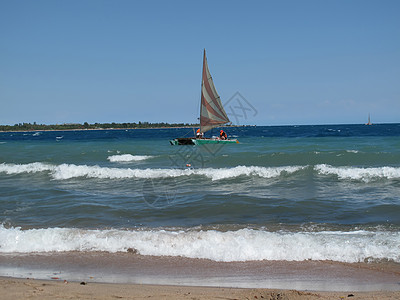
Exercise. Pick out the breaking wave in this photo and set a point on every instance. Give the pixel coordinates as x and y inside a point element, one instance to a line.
<point>238,245</point>
<point>68,171</point>
<point>25,168</point>
<point>361,174</point>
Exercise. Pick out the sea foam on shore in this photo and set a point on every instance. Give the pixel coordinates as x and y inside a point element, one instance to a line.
<point>233,245</point>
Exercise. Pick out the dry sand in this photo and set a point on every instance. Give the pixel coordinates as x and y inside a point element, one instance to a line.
<point>11,288</point>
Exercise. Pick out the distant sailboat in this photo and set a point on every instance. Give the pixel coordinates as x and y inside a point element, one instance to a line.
<point>212,113</point>
<point>369,120</point>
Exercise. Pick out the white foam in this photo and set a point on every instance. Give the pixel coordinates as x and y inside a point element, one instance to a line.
<point>68,171</point>
<point>25,168</point>
<point>363,174</point>
<point>264,172</point>
<point>352,151</point>
<point>239,245</point>
<point>127,158</point>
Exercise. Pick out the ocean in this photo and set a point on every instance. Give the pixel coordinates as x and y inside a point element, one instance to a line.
<point>284,193</point>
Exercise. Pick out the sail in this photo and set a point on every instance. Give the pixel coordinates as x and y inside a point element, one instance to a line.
<point>212,113</point>
<point>369,120</point>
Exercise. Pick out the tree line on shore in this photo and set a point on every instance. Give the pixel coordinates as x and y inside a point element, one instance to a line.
<point>86,125</point>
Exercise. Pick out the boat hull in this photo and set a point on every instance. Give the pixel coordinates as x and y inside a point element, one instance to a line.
<point>195,141</point>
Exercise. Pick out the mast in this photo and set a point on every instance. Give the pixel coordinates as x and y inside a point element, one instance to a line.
<point>212,113</point>
<point>369,120</point>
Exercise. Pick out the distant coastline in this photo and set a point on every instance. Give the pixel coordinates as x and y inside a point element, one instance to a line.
<point>94,126</point>
<point>23,127</point>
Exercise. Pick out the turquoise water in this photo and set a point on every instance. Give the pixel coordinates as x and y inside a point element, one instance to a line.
<point>284,193</point>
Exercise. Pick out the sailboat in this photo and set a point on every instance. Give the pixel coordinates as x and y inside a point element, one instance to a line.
<point>369,120</point>
<point>212,113</point>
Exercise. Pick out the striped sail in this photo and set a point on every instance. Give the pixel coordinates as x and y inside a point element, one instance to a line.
<point>212,113</point>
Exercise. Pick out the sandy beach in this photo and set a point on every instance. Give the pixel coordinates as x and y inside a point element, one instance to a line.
<point>131,276</point>
<point>12,288</point>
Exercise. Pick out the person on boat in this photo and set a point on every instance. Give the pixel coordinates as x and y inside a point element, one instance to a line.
<point>199,134</point>
<point>222,135</point>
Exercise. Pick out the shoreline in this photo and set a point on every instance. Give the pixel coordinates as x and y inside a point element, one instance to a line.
<point>134,269</point>
<point>14,288</point>
<point>101,129</point>
<point>92,129</point>
<point>118,128</point>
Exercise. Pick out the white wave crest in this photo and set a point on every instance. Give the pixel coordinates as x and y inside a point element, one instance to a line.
<point>363,174</point>
<point>239,245</point>
<point>264,172</point>
<point>352,151</point>
<point>25,168</point>
<point>68,171</point>
<point>127,158</point>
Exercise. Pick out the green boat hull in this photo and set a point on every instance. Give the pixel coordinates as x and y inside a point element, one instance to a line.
<point>194,141</point>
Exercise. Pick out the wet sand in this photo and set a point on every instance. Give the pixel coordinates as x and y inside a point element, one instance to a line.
<point>11,288</point>
<point>133,276</point>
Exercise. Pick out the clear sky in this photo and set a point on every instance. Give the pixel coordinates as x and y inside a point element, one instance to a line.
<point>295,62</point>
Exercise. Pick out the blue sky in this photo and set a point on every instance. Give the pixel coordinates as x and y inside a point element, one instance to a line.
<point>295,62</point>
